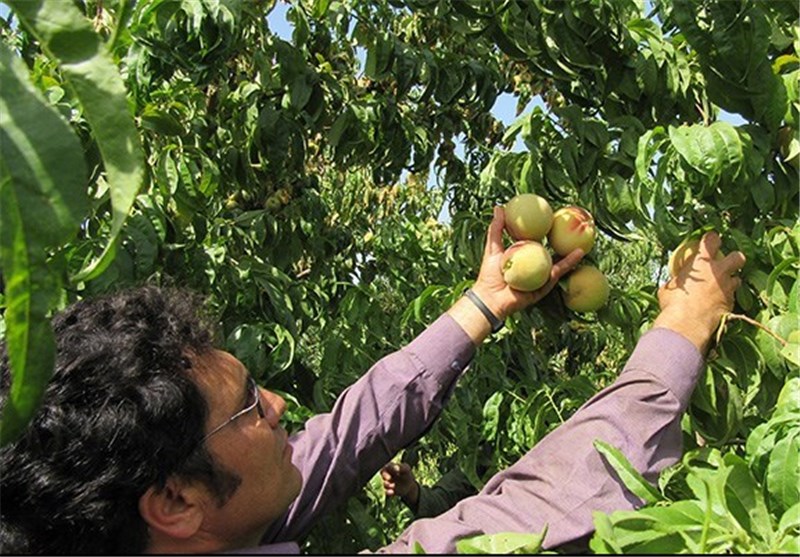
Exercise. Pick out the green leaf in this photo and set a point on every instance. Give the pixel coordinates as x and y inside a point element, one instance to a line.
<point>783,473</point>
<point>29,337</point>
<point>300,90</point>
<point>731,40</point>
<point>789,396</point>
<point>789,545</point>
<point>791,352</point>
<point>491,415</point>
<point>711,150</point>
<point>744,499</point>
<point>42,202</point>
<point>672,529</point>
<point>630,477</point>
<point>503,543</point>
<point>380,56</point>
<point>603,541</point>
<point>320,8</point>
<point>681,514</point>
<point>770,347</point>
<point>160,121</point>
<point>338,128</point>
<point>87,65</point>
<point>790,520</point>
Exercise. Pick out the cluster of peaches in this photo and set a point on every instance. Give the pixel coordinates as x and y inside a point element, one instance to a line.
<point>527,262</point>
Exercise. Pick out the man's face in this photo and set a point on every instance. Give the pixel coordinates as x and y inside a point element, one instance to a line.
<point>252,447</point>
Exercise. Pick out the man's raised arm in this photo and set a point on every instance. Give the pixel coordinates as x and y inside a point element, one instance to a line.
<point>563,479</point>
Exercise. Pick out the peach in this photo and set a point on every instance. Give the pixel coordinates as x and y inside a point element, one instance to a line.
<point>526,265</point>
<point>685,252</point>
<point>587,289</point>
<point>528,217</point>
<point>573,227</point>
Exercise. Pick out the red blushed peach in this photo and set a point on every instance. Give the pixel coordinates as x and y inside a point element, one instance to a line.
<point>573,227</point>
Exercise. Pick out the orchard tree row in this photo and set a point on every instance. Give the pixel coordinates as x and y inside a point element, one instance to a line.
<point>299,184</point>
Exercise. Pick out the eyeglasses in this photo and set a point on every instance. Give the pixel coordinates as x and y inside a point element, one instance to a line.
<point>253,401</point>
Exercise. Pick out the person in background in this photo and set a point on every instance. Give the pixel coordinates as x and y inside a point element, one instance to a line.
<point>150,439</point>
<point>425,501</point>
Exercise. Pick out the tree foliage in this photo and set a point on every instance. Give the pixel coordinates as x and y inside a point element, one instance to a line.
<point>300,182</point>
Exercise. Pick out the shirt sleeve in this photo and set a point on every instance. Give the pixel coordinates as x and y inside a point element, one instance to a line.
<point>563,479</point>
<point>393,404</point>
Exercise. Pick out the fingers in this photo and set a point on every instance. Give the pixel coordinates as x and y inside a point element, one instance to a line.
<point>397,479</point>
<point>559,269</point>
<point>709,245</point>
<point>388,474</point>
<point>394,471</point>
<point>562,267</point>
<point>733,262</point>
<point>390,471</point>
<point>565,265</point>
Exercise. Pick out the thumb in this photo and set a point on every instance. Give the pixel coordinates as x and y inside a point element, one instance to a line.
<point>494,234</point>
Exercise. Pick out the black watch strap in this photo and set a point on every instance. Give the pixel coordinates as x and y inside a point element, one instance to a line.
<point>496,323</point>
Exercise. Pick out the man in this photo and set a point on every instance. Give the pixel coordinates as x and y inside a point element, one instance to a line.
<point>151,440</point>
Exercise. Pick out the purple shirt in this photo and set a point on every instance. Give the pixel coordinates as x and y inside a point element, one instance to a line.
<point>559,482</point>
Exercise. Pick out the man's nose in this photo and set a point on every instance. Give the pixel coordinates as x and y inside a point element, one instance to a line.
<point>274,407</point>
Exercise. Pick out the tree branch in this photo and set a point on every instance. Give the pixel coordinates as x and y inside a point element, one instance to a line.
<point>764,328</point>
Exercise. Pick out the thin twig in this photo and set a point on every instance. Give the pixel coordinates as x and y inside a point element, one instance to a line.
<point>764,328</point>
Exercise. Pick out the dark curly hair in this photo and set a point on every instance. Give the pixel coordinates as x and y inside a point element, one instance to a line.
<point>120,414</point>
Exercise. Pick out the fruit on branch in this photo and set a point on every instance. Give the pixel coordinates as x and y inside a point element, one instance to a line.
<point>528,217</point>
<point>573,227</point>
<point>587,289</point>
<point>685,252</point>
<point>526,265</point>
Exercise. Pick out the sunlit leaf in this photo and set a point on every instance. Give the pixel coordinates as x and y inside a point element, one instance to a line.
<point>506,543</point>
<point>630,477</point>
<point>88,67</point>
<point>42,201</point>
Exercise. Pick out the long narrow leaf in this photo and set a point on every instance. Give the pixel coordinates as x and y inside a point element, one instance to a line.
<point>783,473</point>
<point>632,479</point>
<point>502,543</point>
<point>42,201</point>
<point>31,347</point>
<point>67,35</point>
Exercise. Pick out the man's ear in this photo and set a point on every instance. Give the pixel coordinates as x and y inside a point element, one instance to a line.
<point>175,511</point>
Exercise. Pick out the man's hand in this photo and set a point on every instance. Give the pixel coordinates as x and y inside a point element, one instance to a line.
<point>399,481</point>
<point>693,302</point>
<point>492,288</point>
